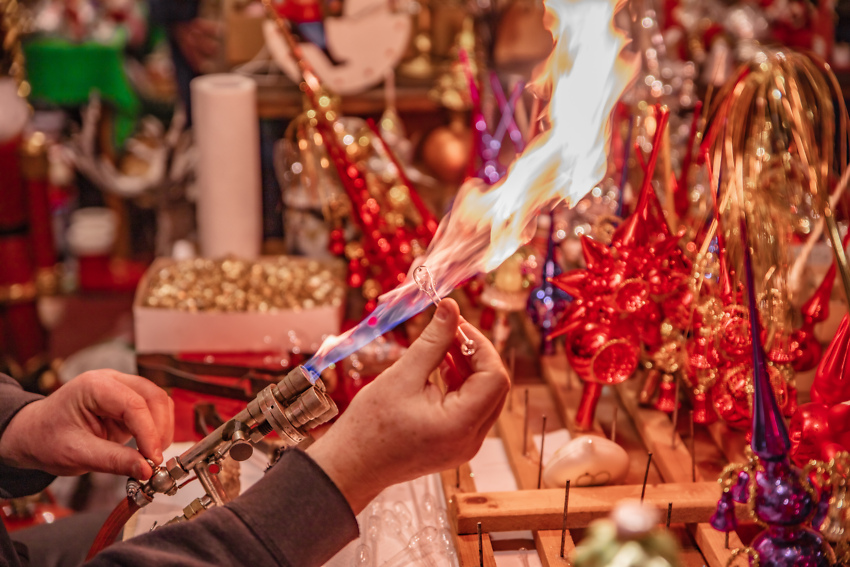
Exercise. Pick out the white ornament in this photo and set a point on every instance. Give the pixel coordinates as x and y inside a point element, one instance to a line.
<point>588,460</point>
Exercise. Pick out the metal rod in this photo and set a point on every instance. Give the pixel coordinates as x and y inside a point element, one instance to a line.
<point>675,413</point>
<point>564,525</point>
<point>838,250</point>
<point>540,460</point>
<point>727,540</point>
<point>669,513</point>
<point>693,450</point>
<point>525,427</point>
<point>480,546</point>
<point>645,475</point>
<point>614,424</point>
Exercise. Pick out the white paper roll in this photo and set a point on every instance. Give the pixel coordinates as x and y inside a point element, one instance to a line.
<point>226,132</point>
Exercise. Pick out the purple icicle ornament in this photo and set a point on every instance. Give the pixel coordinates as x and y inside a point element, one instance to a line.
<point>770,439</point>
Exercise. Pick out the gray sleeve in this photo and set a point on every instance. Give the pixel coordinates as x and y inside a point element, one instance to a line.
<point>295,516</point>
<point>16,482</point>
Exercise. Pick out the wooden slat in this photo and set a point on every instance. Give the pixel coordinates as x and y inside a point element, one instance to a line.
<point>669,453</point>
<point>712,544</point>
<point>526,469</point>
<point>548,543</point>
<point>543,509</point>
<point>450,478</point>
<point>732,443</point>
<point>510,426</point>
<point>467,551</point>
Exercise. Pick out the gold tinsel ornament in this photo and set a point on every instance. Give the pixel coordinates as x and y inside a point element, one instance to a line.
<point>771,147</point>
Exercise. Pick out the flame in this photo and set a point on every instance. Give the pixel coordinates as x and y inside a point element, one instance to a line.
<point>585,74</point>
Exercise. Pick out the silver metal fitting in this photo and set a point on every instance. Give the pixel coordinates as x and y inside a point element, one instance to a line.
<point>137,494</point>
<point>291,408</point>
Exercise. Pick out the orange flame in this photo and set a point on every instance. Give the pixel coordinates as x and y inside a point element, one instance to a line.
<point>585,74</point>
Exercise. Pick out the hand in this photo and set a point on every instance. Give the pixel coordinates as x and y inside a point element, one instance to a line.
<point>199,41</point>
<point>402,426</point>
<point>83,427</point>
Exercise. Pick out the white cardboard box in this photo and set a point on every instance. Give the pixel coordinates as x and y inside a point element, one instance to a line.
<point>171,330</point>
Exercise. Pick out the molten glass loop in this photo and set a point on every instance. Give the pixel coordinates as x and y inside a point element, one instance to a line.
<point>425,281</point>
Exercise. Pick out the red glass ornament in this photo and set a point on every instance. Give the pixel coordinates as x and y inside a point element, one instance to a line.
<point>587,405</point>
<point>702,355</point>
<point>356,273</point>
<point>734,334</point>
<point>599,354</point>
<point>703,403</point>
<point>809,433</point>
<point>832,380</point>
<point>488,316</point>
<point>783,350</point>
<point>730,396</point>
<point>839,424</point>
<point>336,242</point>
<point>678,305</point>
<point>809,350</point>
<point>666,401</point>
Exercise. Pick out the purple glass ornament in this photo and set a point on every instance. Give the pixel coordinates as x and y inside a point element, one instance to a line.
<point>770,437</point>
<point>781,498</point>
<point>723,519</point>
<point>741,491</point>
<point>547,302</point>
<point>791,547</point>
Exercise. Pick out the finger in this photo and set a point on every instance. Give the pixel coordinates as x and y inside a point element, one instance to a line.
<point>480,396</point>
<point>109,457</point>
<point>159,404</point>
<point>123,404</point>
<point>485,358</point>
<point>493,417</point>
<point>427,351</point>
<point>451,376</point>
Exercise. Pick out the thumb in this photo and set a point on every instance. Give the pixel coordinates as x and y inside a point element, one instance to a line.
<point>428,351</point>
<point>110,457</point>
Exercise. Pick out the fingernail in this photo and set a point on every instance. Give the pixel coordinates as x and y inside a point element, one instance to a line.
<point>442,313</point>
<point>138,471</point>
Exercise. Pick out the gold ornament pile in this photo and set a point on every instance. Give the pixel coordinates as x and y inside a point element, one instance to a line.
<point>234,285</point>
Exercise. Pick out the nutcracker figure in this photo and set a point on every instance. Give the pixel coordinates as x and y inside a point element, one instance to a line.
<point>27,256</point>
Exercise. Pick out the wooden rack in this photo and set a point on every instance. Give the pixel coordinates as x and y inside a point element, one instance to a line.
<point>673,477</point>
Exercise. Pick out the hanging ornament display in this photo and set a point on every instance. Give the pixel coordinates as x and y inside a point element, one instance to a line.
<point>779,495</point>
<point>628,302</point>
<point>391,223</point>
<point>767,160</point>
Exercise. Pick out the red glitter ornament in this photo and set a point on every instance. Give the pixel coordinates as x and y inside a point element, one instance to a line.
<point>832,380</point>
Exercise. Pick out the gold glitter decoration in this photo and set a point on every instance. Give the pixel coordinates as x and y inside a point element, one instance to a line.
<point>11,53</point>
<point>239,285</point>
